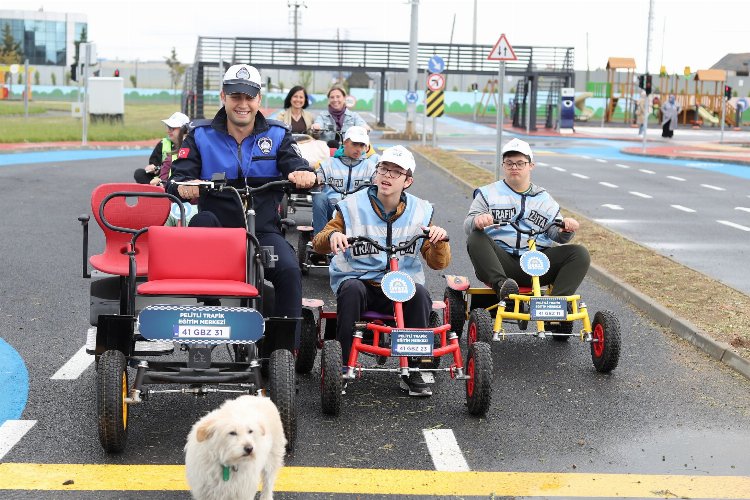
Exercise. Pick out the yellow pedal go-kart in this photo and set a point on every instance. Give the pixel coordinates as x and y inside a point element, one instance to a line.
<point>553,316</point>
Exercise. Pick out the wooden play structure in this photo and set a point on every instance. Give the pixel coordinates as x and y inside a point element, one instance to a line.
<point>489,94</point>
<point>620,87</point>
<point>703,105</point>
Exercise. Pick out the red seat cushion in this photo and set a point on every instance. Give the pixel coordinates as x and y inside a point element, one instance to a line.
<point>202,287</point>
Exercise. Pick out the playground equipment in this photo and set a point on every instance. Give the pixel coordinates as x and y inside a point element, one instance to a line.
<point>617,89</point>
<point>585,112</point>
<point>704,104</point>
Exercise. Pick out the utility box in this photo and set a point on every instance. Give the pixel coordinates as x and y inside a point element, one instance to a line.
<point>567,109</point>
<point>106,99</point>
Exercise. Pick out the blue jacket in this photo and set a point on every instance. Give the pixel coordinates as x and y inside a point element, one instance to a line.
<point>268,154</point>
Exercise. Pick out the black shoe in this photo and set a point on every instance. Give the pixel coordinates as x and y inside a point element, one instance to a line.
<point>508,287</point>
<point>209,302</point>
<point>415,385</point>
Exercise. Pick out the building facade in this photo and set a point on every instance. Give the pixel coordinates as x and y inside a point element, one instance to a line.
<point>45,38</point>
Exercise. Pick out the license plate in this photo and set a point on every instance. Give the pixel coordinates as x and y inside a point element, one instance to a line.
<point>202,332</point>
<point>412,342</point>
<point>548,308</point>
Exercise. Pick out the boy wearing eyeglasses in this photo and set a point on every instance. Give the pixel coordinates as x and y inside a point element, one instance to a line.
<point>389,215</point>
<point>495,250</point>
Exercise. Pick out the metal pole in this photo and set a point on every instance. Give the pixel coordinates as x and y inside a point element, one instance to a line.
<point>434,131</point>
<point>648,51</point>
<point>424,113</point>
<point>26,89</point>
<point>723,109</point>
<point>85,107</point>
<point>499,119</point>
<point>411,108</point>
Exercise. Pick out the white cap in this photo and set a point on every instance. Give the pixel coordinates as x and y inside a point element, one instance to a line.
<point>400,156</point>
<point>357,134</point>
<point>177,120</point>
<point>518,146</point>
<point>241,79</point>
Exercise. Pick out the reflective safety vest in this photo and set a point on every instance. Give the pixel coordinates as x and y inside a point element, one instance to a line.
<point>166,148</point>
<point>346,178</point>
<point>361,260</point>
<point>532,210</point>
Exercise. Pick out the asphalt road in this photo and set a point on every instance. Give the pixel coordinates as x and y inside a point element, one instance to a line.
<point>667,409</point>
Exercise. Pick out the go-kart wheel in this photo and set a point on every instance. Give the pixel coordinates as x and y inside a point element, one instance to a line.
<point>479,383</point>
<point>302,240</point>
<point>283,388</point>
<point>435,321</point>
<point>605,347</point>
<point>455,310</point>
<point>308,343</point>
<point>480,327</point>
<point>331,382</point>
<point>111,391</point>
<point>564,327</point>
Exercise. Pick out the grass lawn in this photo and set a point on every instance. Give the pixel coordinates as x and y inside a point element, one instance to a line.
<point>51,121</point>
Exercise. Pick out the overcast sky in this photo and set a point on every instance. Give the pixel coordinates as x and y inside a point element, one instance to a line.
<point>695,33</point>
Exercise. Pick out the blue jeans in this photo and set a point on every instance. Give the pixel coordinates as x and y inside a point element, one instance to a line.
<point>322,211</point>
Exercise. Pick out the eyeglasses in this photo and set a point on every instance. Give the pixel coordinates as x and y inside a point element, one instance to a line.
<point>517,165</point>
<point>393,174</point>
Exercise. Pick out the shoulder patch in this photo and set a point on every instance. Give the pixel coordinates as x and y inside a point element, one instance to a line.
<point>277,123</point>
<point>204,122</point>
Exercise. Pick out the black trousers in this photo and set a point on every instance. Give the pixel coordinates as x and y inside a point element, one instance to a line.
<point>666,130</point>
<point>492,264</point>
<point>354,297</point>
<point>142,177</point>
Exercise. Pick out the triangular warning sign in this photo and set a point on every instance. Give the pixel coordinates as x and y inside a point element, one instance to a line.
<point>502,51</point>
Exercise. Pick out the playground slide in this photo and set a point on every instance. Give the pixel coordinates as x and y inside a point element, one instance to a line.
<point>706,116</point>
<point>585,113</point>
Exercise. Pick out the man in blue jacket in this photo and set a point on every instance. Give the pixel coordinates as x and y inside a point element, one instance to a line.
<point>251,151</point>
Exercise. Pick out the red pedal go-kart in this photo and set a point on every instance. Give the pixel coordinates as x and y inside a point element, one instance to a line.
<point>146,302</point>
<point>553,316</point>
<point>384,336</point>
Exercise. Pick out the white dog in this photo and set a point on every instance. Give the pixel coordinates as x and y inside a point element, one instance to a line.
<point>229,449</point>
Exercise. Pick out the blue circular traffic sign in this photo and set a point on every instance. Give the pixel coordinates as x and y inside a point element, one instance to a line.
<point>436,64</point>
<point>412,97</point>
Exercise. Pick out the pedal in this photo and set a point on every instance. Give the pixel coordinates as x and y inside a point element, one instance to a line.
<point>268,257</point>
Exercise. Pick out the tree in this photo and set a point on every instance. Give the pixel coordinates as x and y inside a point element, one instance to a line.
<point>36,77</point>
<point>53,77</point>
<point>133,81</point>
<point>176,68</point>
<point>10,51</point>
<point>306,80</point>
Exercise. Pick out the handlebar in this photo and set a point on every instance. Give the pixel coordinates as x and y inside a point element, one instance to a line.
<point>218,183</point>
<point>530,232</point>
<point>393,248</point>
<point>345,192</point>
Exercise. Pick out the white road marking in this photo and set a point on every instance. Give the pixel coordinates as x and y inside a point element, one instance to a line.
<point>609,184</point>
<point>547,164</point>
<point>585,157</point>
<point>559,169</point>
<point>646,171</point>
<point>444,450</point>
<point>601,161</point>
<point>580,176</point>
<point>675,178</point>
<point>612,206</point>
<point>744,209</point>
<point>11,433</point>
<point>684,209</point>
<point>621,165</point>
<point>75,366</point>
<point>715,188</point>
<point>640,195</point>
<point>732,224</point>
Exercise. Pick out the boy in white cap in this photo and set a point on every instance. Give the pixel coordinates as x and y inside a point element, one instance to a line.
<point>165,151</point>
<point>347,170</point>
<point>495,250</point>
<point>387,214</point>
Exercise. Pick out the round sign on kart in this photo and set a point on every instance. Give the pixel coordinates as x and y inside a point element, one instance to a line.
<point>350,101</point>
<point>435,82</point>
<point>398,286</point>
<point>534,263</point>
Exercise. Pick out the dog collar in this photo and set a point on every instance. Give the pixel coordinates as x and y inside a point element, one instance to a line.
<point>225,471</point>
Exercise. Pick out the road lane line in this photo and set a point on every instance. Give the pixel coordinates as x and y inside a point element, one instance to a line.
<point>732,224</point>
<point>444,450</point>
<point>75,366</point>
<point>744,209</point>
<point>684,209</point>
<point>675,178</point>
<point>612,206</point>
<point>350,481</point>
<point>580,176</point>
<point>640,195</point>
<point>559,169</point>
<point>601,161</point>
<point>543,164</point>
<point>646,171</point>
<point>715,188</point>
<point>621,165</point>
<point>608,184</point>
<point>585,157</point>
<point>11,433</point>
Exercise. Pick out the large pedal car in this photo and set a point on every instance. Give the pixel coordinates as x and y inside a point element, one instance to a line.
<point>384,336</point>
<point>159,306</point>
<point>553,316</point>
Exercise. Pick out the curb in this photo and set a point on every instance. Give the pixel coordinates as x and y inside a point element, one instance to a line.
<point>667,156</point>
<point>660,315</point>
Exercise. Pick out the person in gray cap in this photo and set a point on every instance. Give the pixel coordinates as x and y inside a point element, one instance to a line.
<point>251,150</point>
<point>495,250</point>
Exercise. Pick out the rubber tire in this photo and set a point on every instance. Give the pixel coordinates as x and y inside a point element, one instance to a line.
<point>606,329</point>
<point>308,343</point>
<point>302,252</point>
<point>565,327</point>
<point>111,391</point>
<point>282,385</point>
<point>455,310</point>
<point>331,382</point>
<point>435,321</point>
<point>479,384</point>
<point>480,327</point>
